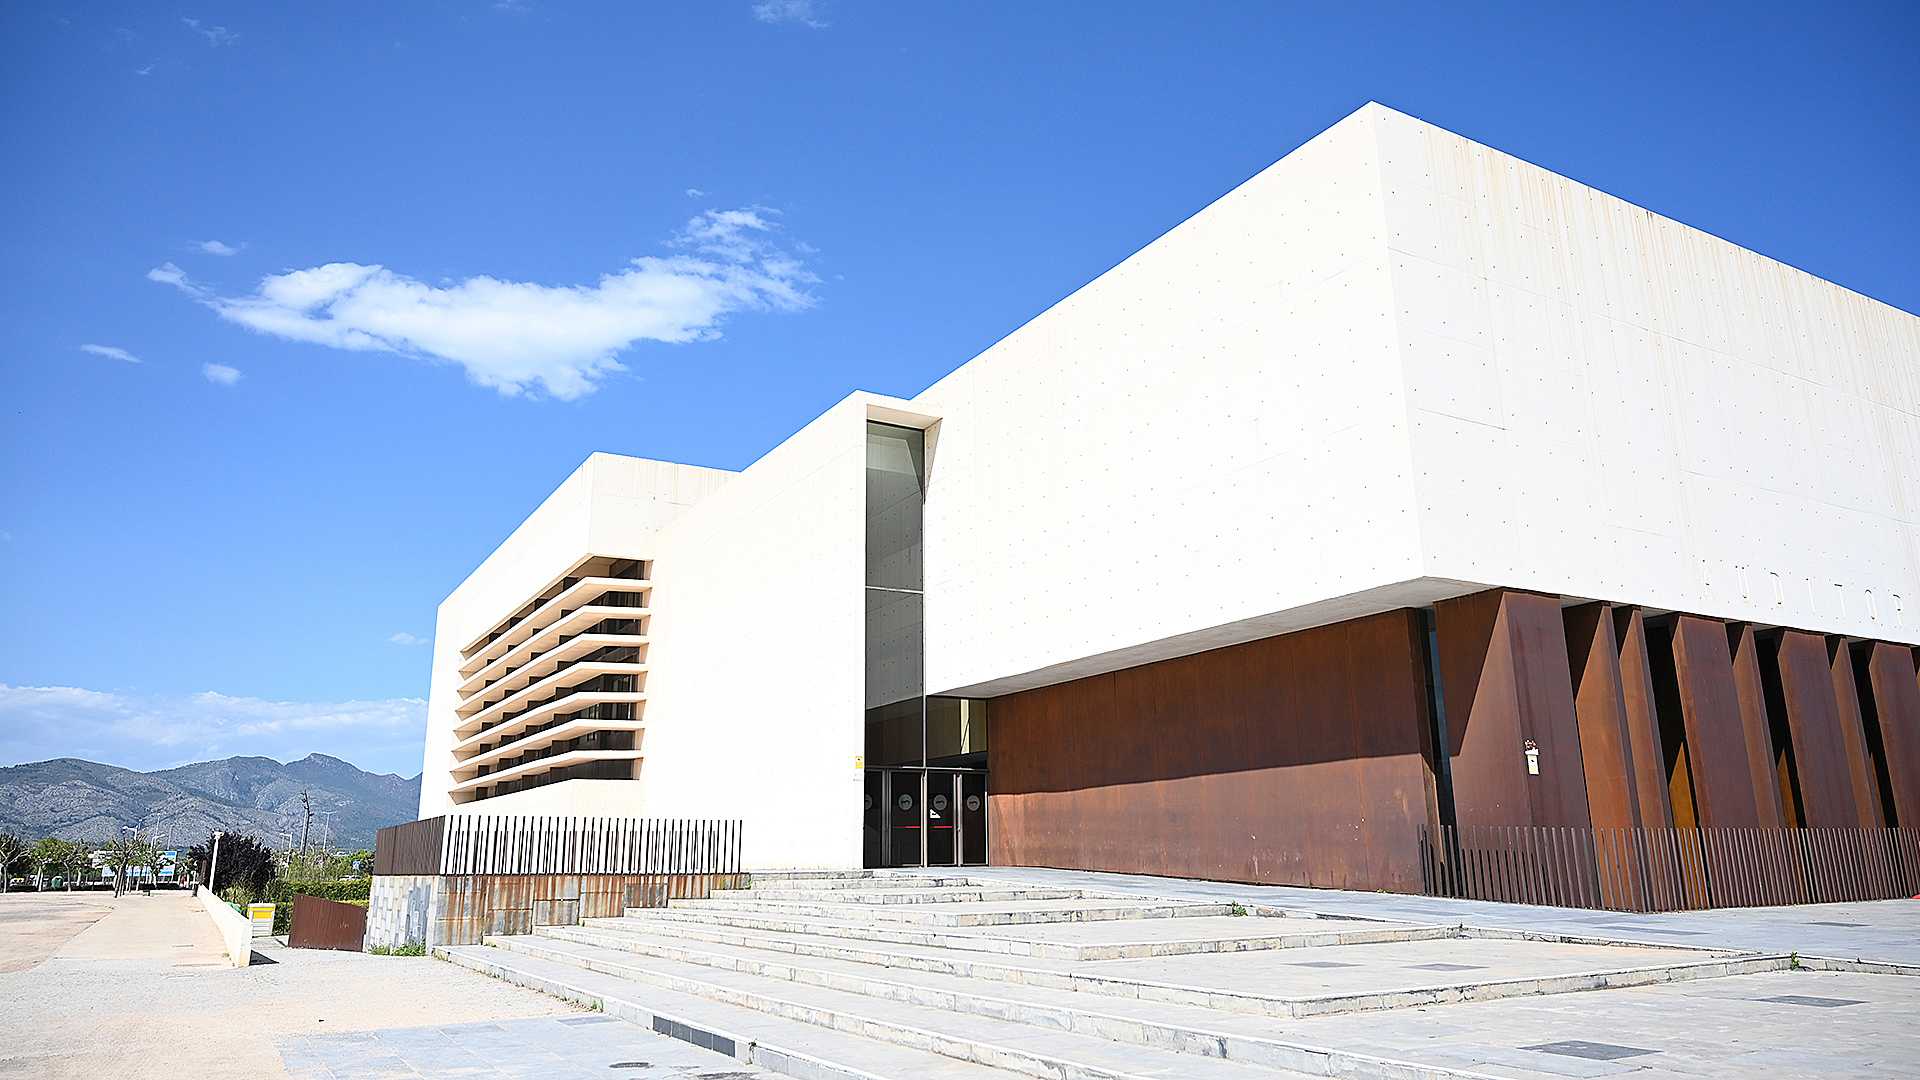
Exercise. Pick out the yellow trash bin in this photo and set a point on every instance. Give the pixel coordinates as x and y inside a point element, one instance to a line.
<point>262,916</point>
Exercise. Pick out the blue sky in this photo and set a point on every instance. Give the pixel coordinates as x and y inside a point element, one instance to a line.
<point>280,282</point>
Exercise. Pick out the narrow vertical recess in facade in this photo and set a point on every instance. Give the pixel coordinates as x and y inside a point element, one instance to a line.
<point>896,723</point>
<point>1442,759</point>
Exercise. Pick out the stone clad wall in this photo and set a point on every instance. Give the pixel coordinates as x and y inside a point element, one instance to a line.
<point>401,908</point>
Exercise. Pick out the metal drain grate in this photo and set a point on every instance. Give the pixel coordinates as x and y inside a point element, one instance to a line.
<point>1592,1051</point>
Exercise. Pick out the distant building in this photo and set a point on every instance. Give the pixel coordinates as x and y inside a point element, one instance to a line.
<point>1407,484</point>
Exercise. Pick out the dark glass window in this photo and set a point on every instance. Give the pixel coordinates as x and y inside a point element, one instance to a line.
<point>957,733</point>
<point>896,494</point>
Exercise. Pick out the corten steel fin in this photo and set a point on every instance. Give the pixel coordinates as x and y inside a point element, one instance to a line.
<point>1716,743</point>
<point>1606,747</point>
<point>1599,707</point>
<point>1294,759</point>
<point>1503,663</point>
<point>1820,744</point>
<point>1643,722</point>
<point>1749,690</point>
<point>1896,699</point>
<point>1853,737</point>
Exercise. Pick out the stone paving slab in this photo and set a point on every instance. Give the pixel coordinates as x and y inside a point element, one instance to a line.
<point>1351,969</point>
<point>960,913</point>
<point>1732,1027</point>
<point>590,1045</point>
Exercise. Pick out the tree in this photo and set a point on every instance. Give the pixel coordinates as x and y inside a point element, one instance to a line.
<point>13,852</point>
<point>79,864</point>
<point>50,856</point>
<point>243,861</point>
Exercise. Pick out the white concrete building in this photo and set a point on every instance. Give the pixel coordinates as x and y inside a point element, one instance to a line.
<point>1395,376</point>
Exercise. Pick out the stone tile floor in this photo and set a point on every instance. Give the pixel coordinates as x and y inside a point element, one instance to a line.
<point>1781,1025</point>
<point>540,1048</point>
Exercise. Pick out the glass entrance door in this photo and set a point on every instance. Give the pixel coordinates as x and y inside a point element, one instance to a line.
<point>906,818</point>
<point>973,819</point>
<point>942,819</point>
<point>924,817</point>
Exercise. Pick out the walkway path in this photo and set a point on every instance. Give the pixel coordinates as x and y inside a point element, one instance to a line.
<point>143,989</point>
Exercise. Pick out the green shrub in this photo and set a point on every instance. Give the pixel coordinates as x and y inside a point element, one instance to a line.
<point>281,892</point>
<point>411,948</point>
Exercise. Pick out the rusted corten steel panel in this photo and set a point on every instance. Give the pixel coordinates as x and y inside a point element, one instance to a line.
<point>1896,702</point>
<point>1643,723</point>
<point>1860,769</point>
<point>1750,691</point>
<point>1820,745</point>
<point>1723,782</point>
<point>327,924</point>
<point>413,847</point>
<point>1295,759</point>
<point>1599,708</point>
<point>1503,669</point>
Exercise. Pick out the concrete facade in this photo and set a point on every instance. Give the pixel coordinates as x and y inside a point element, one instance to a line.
<point>1395,371</point>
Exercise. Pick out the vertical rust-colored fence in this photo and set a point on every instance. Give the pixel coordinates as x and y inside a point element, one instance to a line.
<point>507,875</point>
<point>327,924</point>
<point>1671,869</point>
<point>476,844</point>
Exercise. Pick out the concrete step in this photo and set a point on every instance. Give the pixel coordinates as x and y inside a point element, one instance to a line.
<point>963,913</point>
<point>1022,1045</point>
<point>1133,1009</point>
<point>814,875</point>
<point>819,960</point>
<point>888,894</point>
<point>782,880</point>
<point>1279,933</point>
<point>789,1047</point>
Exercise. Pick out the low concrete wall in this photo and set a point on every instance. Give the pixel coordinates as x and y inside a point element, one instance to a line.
<point>236,930</point>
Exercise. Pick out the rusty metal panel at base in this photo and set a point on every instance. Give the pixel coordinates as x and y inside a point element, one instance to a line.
<point>1295,759</point>
<point>474,906</point>
<point>327,924</point>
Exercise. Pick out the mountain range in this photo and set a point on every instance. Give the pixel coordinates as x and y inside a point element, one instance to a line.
<point>85,800</point>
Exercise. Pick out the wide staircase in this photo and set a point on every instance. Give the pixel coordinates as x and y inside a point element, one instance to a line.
<point>902,975</point>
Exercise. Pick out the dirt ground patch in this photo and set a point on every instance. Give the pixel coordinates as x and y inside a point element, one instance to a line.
<point>33,926</point>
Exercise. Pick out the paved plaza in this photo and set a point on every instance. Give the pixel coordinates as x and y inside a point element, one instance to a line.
<point>1003,972</point>
<point>1060,973</point>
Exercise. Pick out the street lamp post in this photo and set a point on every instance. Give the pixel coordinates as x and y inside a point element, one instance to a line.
<point>213,863</point>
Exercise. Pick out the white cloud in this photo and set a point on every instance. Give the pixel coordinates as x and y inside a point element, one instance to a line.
<point>168,274</point>
<point>111,352</point>
<point>215,247</point>
<point>154,731</point>
<point>695,193</point>
<point>521,336</point>
<point>789,11</point>
<point>148,70</point>
<point>220,374</point>
<point>216,35</point>
<point>404,638</point>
